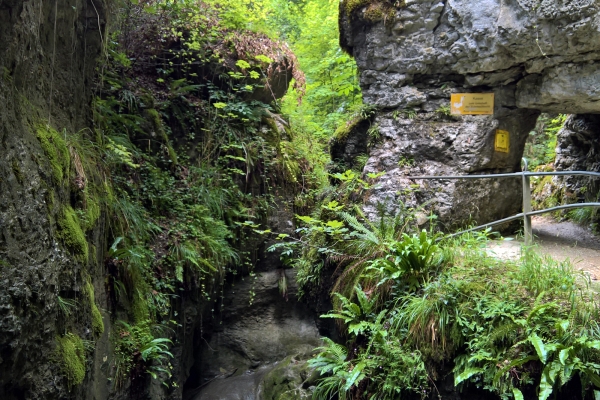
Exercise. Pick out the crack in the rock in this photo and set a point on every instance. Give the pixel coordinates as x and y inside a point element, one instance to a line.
<point>439,22</point>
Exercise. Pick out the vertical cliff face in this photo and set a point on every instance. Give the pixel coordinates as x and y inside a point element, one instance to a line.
<point>47,62</point>
<point>534,56</point>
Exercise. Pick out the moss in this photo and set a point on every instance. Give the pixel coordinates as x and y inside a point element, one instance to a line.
<point>172,154</point>
<point>376,10</point>
<point>56,150</point>
<point>90,215</point>
<point>342,132</point>
<point>71,357</point>
<point>139,306</point>
<point>17,171</point>
<point>71,234</point>
<point>156,121</point>
<point>287,378</point>
<point>50,201</point>
<point>97,323</point>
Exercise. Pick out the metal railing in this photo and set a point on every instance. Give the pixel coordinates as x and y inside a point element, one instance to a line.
<point>527,213</point>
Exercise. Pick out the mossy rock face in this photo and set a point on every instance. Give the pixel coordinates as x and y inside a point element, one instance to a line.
<point>91,212</point>
<point>71,358</point>
<point>97,322</point>
<point>289,380</point>
<point>71,234</point>
<point>350,141</point>
<point>56,150</point>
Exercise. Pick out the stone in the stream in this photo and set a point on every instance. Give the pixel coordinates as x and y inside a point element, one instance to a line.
<point>290,379</point>
<point>534,56</point>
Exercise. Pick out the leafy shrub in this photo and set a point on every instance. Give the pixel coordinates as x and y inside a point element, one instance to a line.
<point>506,327</point>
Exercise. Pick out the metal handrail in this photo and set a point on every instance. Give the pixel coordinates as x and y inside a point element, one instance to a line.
<point>527,213</point>
<point>510,175</point>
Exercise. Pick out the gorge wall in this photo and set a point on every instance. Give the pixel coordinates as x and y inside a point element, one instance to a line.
<point>533,55</point>
<point>47,64</point>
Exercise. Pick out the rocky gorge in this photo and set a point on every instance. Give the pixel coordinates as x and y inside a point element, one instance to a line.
<point>70,293</point>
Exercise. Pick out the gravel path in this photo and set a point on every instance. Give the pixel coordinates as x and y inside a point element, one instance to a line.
<point>560,240</point>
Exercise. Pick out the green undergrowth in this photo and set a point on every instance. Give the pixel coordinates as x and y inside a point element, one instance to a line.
<point>419,310</point>
<point>195,150</point>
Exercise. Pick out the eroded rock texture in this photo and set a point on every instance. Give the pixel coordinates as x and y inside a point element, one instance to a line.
<point>47,60</point>
<point>578,149</point>
<point>533,55</point>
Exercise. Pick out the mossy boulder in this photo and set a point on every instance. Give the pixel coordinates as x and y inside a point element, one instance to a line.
<point>350,141</point>
<point>291,379</point>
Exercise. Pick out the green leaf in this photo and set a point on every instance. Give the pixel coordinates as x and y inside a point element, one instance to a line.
<point>220,105</point>
<point>355,377</point>
<point>538,344</point>
<point>593,377</point>
<point>596,394</point>
<point>466,374</point>
<point>545,385</point>
<point>335,224</point>
<point>242,64</point>
<point>517,394</point>
<point>563,355</point>
<point>263,58</point>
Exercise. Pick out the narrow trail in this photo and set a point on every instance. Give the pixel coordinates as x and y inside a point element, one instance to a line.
<point>560,240</point>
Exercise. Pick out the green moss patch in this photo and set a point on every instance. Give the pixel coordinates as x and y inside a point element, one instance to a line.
<point>71,357</point>
<point>89,216</point>
<point>97,323</point>
<point>342,132</point>
<point>56,150</point>
<point>71,234</point>
<point>376,10</point>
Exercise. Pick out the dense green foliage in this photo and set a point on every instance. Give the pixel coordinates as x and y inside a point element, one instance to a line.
<point>418,311</point>
<point>188,146</point>
<point>332,91</point>
<point>541,146</point>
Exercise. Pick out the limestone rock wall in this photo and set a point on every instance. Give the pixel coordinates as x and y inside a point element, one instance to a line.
<point>533,55</point>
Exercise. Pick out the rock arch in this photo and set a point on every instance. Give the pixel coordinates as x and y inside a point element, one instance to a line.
<point>534,55</point>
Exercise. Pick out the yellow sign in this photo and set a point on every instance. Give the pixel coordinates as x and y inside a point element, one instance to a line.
<point>502,141</point>
<point>472,103</point>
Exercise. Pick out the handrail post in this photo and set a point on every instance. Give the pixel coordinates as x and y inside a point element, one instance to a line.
<point>526,206</point>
